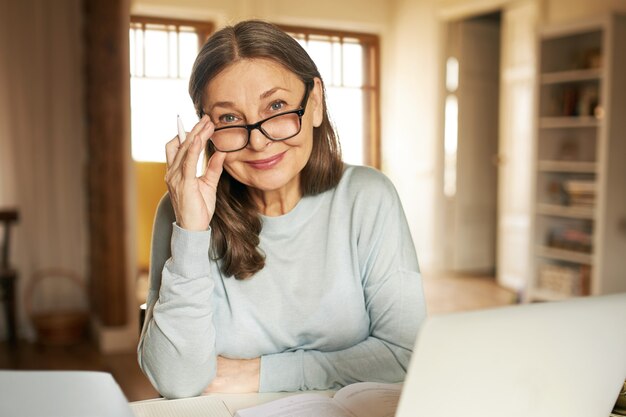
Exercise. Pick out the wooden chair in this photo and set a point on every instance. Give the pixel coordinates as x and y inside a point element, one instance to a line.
<point>8,275</point>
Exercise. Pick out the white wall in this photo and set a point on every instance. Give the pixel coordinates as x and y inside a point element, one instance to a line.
<point>366,16</point>
<point>569,10</point>
<point>410,115</point>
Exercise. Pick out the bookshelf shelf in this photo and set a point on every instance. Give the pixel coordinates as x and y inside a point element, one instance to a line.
<point>565,255</point>
<point>571,212</point>
<point>580,161</point>
<point>571,76</point>
<point>571,122</point>
<point>568,166</point>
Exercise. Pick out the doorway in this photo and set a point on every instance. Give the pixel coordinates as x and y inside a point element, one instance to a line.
<point>471,125</point>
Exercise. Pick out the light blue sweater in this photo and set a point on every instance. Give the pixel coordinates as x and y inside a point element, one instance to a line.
<point>339,300</point>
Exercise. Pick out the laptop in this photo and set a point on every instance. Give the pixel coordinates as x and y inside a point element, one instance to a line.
<point>61,394</point>
<point>557,359</point>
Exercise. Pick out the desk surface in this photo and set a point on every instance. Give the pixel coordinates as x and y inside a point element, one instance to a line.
<point>233,402</point>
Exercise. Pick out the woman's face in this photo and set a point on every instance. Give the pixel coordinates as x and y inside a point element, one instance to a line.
<point>251,90</point>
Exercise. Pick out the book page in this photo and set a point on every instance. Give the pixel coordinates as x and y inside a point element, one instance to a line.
<point>304,405</point>
<point>203,406</point>
<point>370,399</point>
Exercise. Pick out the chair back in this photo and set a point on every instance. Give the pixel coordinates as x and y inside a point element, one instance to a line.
<point>7,218</point>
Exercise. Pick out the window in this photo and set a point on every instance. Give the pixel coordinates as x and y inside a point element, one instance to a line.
<point>451,127</point>
<point>348,63</point>
<point>162,52</point>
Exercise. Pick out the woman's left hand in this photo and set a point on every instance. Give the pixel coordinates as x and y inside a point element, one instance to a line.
<point>236,376</point>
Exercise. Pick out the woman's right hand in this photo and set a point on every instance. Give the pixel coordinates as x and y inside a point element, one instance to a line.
<point>193,197</point>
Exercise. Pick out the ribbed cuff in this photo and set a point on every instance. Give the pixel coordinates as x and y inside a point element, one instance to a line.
<point>190,252</point>
<point>282,372</point>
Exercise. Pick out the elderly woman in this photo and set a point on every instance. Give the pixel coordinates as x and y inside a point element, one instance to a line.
<point>280,268</point>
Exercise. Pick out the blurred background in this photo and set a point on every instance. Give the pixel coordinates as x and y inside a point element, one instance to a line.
<point>500,122</point>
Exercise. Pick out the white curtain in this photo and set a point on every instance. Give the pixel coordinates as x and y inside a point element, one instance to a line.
<point>42,139</point>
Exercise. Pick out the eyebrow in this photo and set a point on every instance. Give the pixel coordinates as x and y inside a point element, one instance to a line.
<point>230,104</point>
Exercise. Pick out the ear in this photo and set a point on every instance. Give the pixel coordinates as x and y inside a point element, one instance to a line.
<point>317,102</point>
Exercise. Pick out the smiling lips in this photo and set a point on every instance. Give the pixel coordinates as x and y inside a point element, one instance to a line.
<point>267,163</point>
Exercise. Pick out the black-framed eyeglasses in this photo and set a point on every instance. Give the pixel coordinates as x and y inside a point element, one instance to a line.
<point>278,127</point>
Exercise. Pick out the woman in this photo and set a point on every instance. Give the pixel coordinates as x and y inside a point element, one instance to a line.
<point>279,269</point>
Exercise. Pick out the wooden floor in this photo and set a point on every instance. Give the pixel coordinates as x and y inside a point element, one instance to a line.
<point>444,294</point>
<point>84,356</point>
<point>452,293</point>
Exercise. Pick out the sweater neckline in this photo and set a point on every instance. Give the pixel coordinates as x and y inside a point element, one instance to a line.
<point>304,210</point>
<point>297,216</point>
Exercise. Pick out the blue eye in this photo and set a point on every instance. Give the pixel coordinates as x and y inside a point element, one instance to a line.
<point>277,105</point>
<point>228,118</point>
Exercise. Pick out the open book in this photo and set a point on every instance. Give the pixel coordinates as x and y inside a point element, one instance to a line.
<point>202,406</point>
<point>363,399</point>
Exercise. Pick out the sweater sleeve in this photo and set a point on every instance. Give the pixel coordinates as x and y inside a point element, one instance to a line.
<point>394,301</point>
<point>177,346</point>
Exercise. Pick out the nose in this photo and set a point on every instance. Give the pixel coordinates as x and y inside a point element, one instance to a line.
<point>258,141</point>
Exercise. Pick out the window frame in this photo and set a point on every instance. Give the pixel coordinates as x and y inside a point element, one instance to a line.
<point>371,86</point>
<point>203,29</point>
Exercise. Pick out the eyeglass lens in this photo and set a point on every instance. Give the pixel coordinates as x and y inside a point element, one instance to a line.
<point>281,127</point>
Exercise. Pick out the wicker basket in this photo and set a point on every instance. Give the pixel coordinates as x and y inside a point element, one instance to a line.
<point>58,327</point>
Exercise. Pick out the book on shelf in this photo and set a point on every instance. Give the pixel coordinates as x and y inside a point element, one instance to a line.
<point>580,192</point>
<point>578,200</point>
<point>580,186</point>
<point>363,399</point>
<point>574,99</point>
<point>573,193</point>
<point>572,238</point>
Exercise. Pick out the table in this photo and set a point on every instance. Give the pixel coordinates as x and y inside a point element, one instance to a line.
<point>233,402</point>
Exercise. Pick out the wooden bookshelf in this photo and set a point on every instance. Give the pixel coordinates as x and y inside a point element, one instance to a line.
<point>580,161</point>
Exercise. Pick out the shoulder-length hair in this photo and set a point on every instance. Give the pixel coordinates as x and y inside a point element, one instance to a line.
<point>236,223</point>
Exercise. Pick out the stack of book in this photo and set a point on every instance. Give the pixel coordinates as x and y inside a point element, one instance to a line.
<point>580,193</point>
<point>572,238</point>
<point>569,280</point>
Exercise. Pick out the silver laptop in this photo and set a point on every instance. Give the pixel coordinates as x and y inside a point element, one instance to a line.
<point>61,394</point>
<point>559,359</point>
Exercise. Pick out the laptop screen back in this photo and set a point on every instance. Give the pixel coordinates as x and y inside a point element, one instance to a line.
<point>540,360</point>
<point>61,393</point>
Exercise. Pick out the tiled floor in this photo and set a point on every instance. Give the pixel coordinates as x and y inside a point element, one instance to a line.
<point>444,294</point>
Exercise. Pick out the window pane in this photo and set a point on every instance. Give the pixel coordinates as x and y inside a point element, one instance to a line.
<point>341,63</point>
<point>352,65</point>
<point>337,64</point>
<point>188,52</point>
<point>131,41</point>
<point>320,51</point>
<point>452,74</point>
<point>346,111</point>
<point>160,93</point>
<point>173,53</point>
<point>451,124</point>
<point>451,128</point>
<point>156,53</point>
<point>154,106</point>
<point>136,57</point>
